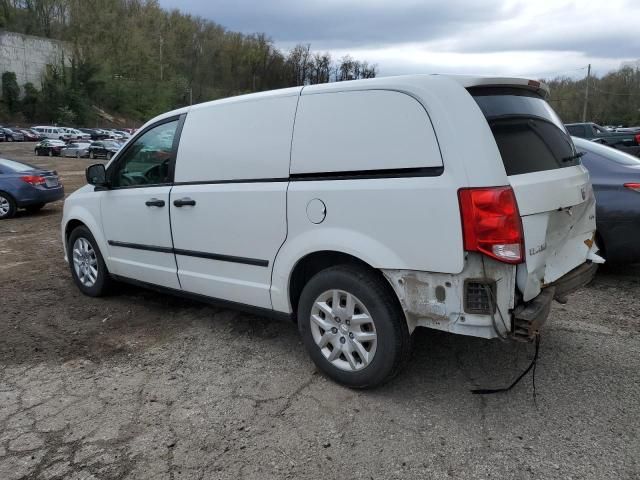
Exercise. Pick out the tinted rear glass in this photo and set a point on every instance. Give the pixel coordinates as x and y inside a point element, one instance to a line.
<point>529,134</point>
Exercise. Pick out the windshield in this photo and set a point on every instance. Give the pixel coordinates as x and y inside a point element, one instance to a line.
<point>529,134</point>
<point>16,166</point>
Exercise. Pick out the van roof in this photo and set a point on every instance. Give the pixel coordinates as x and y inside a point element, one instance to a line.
<point>400,82</point>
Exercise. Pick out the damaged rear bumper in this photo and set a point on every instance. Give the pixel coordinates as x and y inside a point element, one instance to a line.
<point>440,301</point>
<point>529,317</point>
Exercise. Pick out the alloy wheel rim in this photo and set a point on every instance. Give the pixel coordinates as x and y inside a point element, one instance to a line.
<point>343,330</point>
<point>4,206</point>
<point>85,262</point>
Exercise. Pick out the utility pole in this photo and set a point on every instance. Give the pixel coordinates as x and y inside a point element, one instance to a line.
<point>161,71</point>
<point>586,95</point>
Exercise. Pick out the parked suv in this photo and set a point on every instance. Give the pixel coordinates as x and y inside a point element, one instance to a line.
<point>367,218</point>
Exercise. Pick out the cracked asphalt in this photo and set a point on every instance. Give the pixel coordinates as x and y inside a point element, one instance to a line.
<point>140,385</point>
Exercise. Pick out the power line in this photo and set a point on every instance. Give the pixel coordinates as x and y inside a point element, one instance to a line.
<point>542,74</point>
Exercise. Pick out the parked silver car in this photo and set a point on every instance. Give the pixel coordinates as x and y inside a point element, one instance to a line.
<point>76,149</point>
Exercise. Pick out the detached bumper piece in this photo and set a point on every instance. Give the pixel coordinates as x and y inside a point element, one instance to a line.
<point>528,318</point>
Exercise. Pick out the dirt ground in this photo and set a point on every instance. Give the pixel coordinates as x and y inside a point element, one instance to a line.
<point>146,386</point>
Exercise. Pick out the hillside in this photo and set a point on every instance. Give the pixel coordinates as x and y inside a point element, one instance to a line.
<point>134,59</point>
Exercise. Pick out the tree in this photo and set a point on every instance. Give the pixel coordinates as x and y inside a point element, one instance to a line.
<point>30,102</point>
<point>135,59</point>
<point>10,92</point>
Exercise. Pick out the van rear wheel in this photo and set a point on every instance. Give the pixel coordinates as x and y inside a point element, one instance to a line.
<point>352,326</point>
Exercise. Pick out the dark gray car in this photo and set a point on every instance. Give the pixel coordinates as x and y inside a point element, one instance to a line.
<point>615,176</point>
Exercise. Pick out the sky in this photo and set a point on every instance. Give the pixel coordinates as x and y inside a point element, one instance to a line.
<point>541,39</point>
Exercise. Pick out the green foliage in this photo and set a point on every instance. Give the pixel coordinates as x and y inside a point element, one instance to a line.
<point>30,102</point>
<point>135,59</point>
<point>614,99</point>
<point>64,116</point>
<point>10,92</point>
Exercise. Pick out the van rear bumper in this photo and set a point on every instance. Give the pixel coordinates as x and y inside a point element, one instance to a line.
<point>574,280</point>
<point>529,317</point>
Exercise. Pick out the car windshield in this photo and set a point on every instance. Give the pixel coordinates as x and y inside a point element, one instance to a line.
<point>111,145</point>
<point>16,166</point>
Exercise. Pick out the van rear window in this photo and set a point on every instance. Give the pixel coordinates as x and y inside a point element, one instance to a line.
<point>529,134</point>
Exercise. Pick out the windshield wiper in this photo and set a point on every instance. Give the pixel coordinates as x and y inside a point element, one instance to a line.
<point>576,156</point>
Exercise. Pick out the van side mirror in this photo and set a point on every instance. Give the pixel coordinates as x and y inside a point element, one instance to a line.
<point>96,175</point>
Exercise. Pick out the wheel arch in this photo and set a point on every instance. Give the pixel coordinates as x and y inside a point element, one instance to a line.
<point>71,226</point>
<point>8,194</point>
<point>80,216</point>
<point>314,262</point>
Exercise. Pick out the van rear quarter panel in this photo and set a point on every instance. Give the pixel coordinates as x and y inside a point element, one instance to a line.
<point>409,223</point>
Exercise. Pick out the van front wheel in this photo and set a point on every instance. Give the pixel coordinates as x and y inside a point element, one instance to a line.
<point>352,326</point>
<point>87,266</point>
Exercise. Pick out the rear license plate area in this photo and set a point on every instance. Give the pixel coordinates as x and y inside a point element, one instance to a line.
<point>51,182</point>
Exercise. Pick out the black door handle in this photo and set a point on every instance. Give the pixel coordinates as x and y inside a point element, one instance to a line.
<point>154,202</point>
<point>184,202</point>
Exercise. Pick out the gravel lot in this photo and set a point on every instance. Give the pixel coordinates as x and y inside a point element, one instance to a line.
<point>142,385</point>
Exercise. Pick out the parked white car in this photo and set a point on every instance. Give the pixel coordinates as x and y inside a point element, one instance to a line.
<point>454,203</point>
<point>75,134</point>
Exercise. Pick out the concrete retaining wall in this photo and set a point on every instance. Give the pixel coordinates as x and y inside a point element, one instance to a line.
<point>28,56</point>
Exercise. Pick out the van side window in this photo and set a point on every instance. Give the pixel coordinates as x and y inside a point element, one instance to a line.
<point>361,131</point>
<point>146,161</point>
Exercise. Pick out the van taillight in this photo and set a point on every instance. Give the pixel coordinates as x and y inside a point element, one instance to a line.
<point>491,223</point>
<point>638,138</point>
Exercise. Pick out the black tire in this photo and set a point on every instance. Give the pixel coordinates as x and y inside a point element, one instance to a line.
<point>393,339</point>
<point>103,281</point>
<point>34,208</point>
<point>38,152</point>
<point>12,205</point>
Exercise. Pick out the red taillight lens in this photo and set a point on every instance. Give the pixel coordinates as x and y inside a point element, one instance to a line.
<point>33,179</point>
<point>633,186</point>
<point>638,138</point>
<point>491,223</point>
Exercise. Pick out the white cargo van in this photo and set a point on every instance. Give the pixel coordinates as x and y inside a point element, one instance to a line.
<point>55,133</point>
<point>361,210</point>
